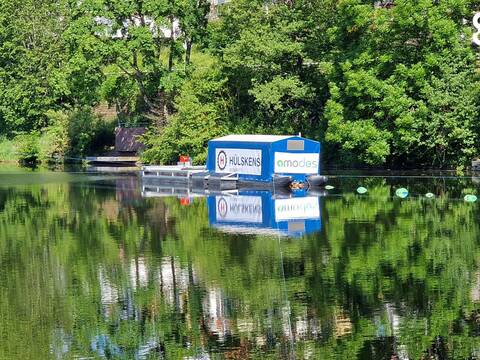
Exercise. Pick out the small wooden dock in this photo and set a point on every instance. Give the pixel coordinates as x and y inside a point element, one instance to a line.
<point>113,160</point>
<point>113,169</point>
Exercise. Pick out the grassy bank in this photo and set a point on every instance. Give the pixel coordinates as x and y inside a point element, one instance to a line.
<point>70,136</point>
<point>8,151</point>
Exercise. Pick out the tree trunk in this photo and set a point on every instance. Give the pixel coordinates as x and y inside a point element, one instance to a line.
<point>188,52</point>
<point>172,45</point>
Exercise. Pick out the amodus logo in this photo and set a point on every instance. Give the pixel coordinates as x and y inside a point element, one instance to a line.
<point>297,208</point>
<point>302,163</point>
<point>297,163</point>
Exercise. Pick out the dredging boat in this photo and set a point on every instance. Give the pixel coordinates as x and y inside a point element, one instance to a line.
<point>247,162</point>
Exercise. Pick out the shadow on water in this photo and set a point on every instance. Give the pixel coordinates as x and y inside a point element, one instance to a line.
<point>97,265</point>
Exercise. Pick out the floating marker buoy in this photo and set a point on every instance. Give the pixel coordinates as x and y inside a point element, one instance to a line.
<point>329,187</point>
<point>361,190</point>
<point>470,198</point>
<point>429,195</point>
<point>401,193</point>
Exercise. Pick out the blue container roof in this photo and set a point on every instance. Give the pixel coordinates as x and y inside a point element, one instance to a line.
<point>254,138</point>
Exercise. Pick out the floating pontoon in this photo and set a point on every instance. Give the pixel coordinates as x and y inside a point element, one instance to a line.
<point>248,162</point>
<point>113,160</point>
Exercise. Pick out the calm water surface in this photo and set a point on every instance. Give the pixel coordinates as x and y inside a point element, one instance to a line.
<point>97,266</point>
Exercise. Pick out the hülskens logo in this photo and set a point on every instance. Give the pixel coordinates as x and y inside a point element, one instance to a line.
<point>245,209</point>
<point>222,160</point>
<point>244,161</point>
<point>237,207</point>
<point>222,207</point>
<point>240,161</point>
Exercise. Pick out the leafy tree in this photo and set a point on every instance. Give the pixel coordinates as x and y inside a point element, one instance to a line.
<point>200,110</point>
<point>396,71</point>
<point>380,83</point>
<point>140,43</point>
<point>375,81</point>
<point>31,62</point>
<point>264,56</point>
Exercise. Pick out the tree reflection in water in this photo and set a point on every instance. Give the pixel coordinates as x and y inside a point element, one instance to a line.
<point>90,268</point>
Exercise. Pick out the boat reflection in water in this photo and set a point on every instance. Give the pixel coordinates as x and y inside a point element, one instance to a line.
<point>255,212</point>
<point>261,212</point>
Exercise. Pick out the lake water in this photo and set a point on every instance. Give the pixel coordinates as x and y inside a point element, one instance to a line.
<point>97,266</point>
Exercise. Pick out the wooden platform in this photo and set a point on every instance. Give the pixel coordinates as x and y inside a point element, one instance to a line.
<point>112,159</point>
<point>113,169</point>
<point>198,177</point>
<point>190,176</point>
<point>171,172</point>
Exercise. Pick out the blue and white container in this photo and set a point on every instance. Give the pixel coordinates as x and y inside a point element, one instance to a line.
<point>262,157</point>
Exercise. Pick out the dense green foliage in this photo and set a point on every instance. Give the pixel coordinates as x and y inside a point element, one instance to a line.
<point>200,108</point>
<point>379,83</point>
<point>69,135</point>
<point>84,261</point>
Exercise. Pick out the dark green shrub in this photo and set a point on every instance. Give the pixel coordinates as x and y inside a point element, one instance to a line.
<point>88,133</point>
<point>28,148</point>
<point>55,141</point>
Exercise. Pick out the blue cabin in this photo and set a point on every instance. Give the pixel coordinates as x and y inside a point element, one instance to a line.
<point>261,157</point>
<point>257,212</point>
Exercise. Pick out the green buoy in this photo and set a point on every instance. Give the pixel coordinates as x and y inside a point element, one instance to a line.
<point>361,190</point>
<point>429,195</point>
<point>401,193</point>
<point>470,198</point>
<point>329,187</point>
